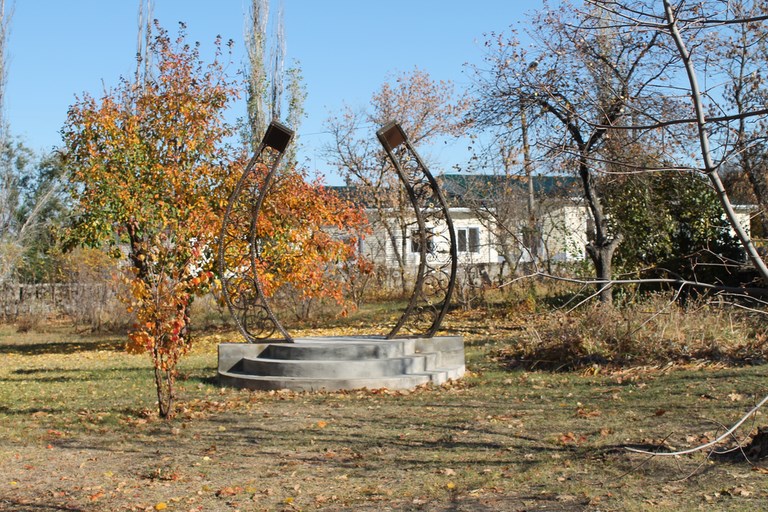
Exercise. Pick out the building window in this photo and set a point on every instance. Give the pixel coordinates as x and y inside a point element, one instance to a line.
<point>468,239</point>
<point>416,241</point>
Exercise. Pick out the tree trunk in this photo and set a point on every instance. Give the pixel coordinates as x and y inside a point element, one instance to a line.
<point>602,246</point>
<point>533,236</point>
<point>164,385</point>
<point>602,257</point>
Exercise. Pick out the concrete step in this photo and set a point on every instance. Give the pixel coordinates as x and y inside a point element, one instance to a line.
<point>339,369</point>
<point>336,363</point>
<point>338,349</point>
<point>400,382</point>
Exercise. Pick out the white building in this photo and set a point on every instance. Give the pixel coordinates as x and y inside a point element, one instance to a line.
<point>562,224</point>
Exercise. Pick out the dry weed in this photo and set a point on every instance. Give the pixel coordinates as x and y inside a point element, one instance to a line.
<point>654,331</point>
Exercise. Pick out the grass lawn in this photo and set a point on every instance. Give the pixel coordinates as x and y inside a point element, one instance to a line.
<point>78,431</point>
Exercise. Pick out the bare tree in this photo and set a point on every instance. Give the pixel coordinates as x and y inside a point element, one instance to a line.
<point>143,39</point>
<point>691,33</point>
<point>15,227</point>
<point>427,110</point>
<point>257,84</point>
<point>710,167</point>
<point>743,55</point>
<point>6,185</point>
<point>580,81</point>
<point>507,210</point>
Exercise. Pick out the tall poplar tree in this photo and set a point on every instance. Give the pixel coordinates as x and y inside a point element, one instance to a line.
<point>272,91</point>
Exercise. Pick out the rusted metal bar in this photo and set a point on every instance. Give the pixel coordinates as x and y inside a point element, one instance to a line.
<point>435,277</point>
<point>239,248</point>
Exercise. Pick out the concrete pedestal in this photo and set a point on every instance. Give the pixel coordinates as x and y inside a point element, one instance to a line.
<point>343,362</point>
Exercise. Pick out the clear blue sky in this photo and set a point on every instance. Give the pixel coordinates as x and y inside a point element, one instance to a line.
<point>346,49</point>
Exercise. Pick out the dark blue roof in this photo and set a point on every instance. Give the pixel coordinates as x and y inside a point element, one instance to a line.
<point>460,189</point>
<point>464,187</point>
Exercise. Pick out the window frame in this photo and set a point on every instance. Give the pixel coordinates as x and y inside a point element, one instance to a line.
<point>468,240</point>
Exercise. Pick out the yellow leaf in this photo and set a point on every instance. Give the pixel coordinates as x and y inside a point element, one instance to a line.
<point>161,506</point>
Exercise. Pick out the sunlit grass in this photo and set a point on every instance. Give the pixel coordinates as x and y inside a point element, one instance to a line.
<point>77,405</point>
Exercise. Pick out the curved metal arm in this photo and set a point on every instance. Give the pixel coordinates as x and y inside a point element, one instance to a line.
<point>239,255</point>
<point>436,275</point>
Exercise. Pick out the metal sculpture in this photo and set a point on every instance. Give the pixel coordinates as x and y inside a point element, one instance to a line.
<point>239,248</point>
<point>435,237</point>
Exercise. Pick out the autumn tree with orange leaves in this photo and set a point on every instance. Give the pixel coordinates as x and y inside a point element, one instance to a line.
<point>150,171</point>
<point>148,168</point>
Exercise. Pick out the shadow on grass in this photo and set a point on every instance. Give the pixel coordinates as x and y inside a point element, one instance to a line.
<point>61,347</point>
<point>28,412</point>
<point>206,375</point>
<point>208,380</point>
<point>41,379</point>
<point>24,506</point>
<point>50,375</point>
<point>461,503</point>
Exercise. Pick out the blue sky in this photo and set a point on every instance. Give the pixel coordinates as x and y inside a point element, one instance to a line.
<point>346,48</point>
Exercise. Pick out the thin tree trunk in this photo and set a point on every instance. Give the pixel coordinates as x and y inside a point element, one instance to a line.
<point>709,167</point>
<point>603,246</point>
<point>164,386</point>
<point>533,238</point>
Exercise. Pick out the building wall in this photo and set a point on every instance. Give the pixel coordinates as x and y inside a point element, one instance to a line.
<point>479,245</point>
<point>744,218</point>
<point>563,230</point>
<point>564,234</point>
<point>563,239</point>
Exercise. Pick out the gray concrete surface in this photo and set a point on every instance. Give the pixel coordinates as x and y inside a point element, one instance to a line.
<point>341,362</point>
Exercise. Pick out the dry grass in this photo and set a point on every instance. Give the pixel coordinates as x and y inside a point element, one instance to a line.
<point>651,332</point>
<point>78,432</point>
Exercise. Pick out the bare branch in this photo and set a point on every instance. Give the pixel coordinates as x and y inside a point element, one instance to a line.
<point>709,167</point>
<point>728,433</point>
<point>745,292</point>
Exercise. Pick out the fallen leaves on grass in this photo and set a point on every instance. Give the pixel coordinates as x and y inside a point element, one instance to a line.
<point>571,438</point>
<point>739,490</point>
<point>226,492</point>
<point>321,499</point>
<point>585,412</point>
<point>96,496</point>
